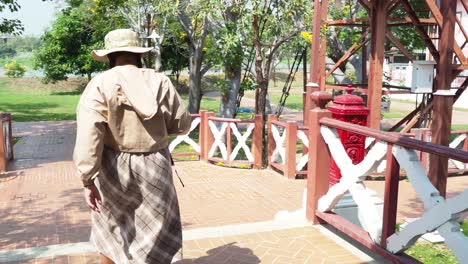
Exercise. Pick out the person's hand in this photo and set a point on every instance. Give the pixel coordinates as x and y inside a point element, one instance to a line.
<point>92,197</point>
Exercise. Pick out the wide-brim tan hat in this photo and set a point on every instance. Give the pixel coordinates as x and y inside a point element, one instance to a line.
<point>117,41</point>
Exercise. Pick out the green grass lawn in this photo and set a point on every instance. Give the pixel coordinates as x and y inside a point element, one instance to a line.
<point>30,100</point>
<point>435,253</point>
<point>16,139</point>
<point>294,101</point>
<point>30,103</point>
<point>460,127</point>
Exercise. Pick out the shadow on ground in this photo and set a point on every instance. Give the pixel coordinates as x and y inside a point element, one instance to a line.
<point>228,253</point>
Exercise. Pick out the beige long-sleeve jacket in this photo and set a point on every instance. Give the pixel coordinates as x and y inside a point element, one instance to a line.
<point>127,109</point>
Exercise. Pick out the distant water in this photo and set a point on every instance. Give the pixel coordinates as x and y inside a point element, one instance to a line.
<point>28,74</point>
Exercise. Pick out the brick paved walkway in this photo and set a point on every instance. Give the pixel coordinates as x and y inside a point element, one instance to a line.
<point>42,210</point>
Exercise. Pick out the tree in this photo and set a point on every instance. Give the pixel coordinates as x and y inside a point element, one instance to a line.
<point>11,26</point>
<point>14,69</point>
<point>66,48</point>
<point>143,18</point>
<point>231,29</point>
<point>195,18</point>
<point>274,23</point>
<point>174,51</point>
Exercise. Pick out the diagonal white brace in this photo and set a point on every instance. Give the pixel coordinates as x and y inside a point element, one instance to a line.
<point>304,158</point>
<point>185,138</point>
<point>218,139</point>
<point>460,165</point>
<point>441,214</point>
<point>351,181</point>
<point>242,142</point>
<point>280,150</point>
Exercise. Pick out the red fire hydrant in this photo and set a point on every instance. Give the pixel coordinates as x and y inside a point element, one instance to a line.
<point>349,108</point>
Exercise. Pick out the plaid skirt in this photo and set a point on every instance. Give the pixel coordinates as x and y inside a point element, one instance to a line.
<point>139,220</point>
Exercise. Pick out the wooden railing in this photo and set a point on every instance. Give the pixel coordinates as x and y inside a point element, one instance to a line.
<point>220,140</point>
<point>377,230</point>
<point>194,145</point>
<point>460,141</point>
<point>222,134</point>
<point>283,150</point>
<point>6,141</point>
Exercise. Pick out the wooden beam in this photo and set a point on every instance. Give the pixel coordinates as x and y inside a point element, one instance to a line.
<point>320,15</point>
<point>443,103</point>
<point>462,29</point>
<point>361,236</point>
<point>460,67</point>
<point>393,21</point>
<point>465,4</point>
<point>393,7</point>
<point>344,88</point>
<point>400,46</point>
<point>422,21</point>
<point>378,28</point>
<point>319,156</point>
<point>392,178</point>
<point>420,29</point>
<point>440,20</point>
<point>348,22</point>
<point>366,4</point>
<point>355,47</point>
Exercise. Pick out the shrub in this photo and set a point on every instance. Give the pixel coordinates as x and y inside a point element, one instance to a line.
<point>14,69</point>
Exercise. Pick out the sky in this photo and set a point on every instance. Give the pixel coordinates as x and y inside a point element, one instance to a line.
<point>35,15</point>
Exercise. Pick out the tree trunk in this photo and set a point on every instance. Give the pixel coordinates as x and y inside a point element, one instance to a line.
<point>356,61</point>
<point>195,95</point>
<point>177,74</point>
<point>229,96</point>
<point>157,59</point>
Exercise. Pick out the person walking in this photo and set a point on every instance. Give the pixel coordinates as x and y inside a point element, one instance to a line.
<point>124,117</point>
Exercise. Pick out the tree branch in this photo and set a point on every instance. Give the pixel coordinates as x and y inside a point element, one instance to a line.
<point>275,47</point>
<point>185,21</point>
<point>205,69</point>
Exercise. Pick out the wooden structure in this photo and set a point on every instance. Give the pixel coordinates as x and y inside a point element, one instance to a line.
<point>283,152</point>
<point>447,54</point>
<point>6,141</point>
<point>220,140</point>
<point>377,226</point>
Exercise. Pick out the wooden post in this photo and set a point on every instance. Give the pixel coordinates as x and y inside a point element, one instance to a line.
<point>271,144</point>
<point>201,134</point>
<point>378,27</point>
<point>392,178</point>
<point>426,137</point>
<point>3,163</point>
<point>465,144</point>
<point>308,104</point>
<point>319,156</point>
<point>423,134</point>
<point>209,138</point>
<point>442,98</point>
<point>229,141</point>
<point>10,135</point>
<point>318,45</point>
<point>465,148</point>
<point>257,142</point>
<point>289,169</point>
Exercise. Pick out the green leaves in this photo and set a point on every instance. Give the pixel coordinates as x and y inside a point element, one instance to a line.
<point>14,69</point>
<point>66,47</point>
